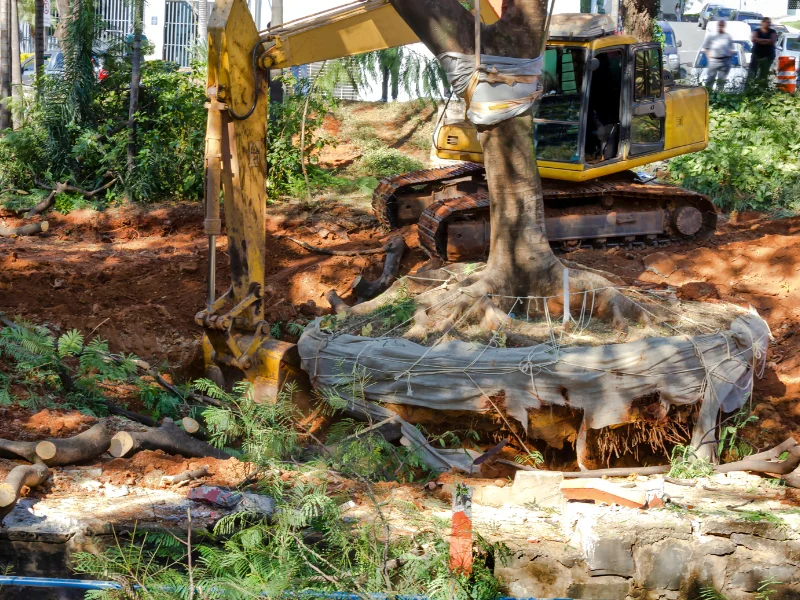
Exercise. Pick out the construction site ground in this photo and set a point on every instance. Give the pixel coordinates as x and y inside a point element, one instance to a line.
<point>136,276</point>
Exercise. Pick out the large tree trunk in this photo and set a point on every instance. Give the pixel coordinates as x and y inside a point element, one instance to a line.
<point>136,76</point>
<point>5,63</point>
<point>39,36</point>
<point>638,18</point>
<point>16,67</point>
<point>384,84</point>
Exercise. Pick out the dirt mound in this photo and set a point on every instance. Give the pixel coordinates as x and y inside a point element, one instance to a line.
<point>17,423</point>
<point>147,467</point>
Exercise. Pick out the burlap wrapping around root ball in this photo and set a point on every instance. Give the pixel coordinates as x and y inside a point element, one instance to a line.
<point>603,381</point>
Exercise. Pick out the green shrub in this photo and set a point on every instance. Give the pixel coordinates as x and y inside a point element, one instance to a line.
<point>284,156</point>
<point>61,145</point>
<point>753,157</point>
<point>383,161</point>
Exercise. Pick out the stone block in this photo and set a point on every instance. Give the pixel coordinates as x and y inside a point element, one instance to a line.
<point>750,578</point>
<point>727,527</point>
<point>540,577</point>
<point>663,566</point>
<point>600,588</point>
<point>774,548</point>
<point>716,546</point>
<point>610,556</point>
<point>540,487</point>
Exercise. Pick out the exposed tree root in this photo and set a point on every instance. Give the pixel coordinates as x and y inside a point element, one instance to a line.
<point>363,289</point>
<point>169,438</point>
<point>461,292</point>
<point>330,252</point>
<point>21,476</point>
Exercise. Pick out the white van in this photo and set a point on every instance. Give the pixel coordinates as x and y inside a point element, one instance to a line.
<point>741,34</point>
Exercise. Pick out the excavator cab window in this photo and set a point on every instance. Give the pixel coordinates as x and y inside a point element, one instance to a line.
<point>605,106</point>
<point>648,110</point>
<point>558,122</point>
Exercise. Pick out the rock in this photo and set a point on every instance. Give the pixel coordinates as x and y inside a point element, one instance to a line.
<point>698,290</point>
<point>663,566</point>
<point>540,487</point>
<point>660,264</point>
<point>725,527</point>
<point>602,588</point>
<point>752,577</point>
<point>323,233</point>
<point>309,308</point>
<point>58,284</point>
<point>256,503</point>
<point>716,546</point>
<point>188,267</point>
<point>116,491</point>
<point>96,308</point>
<point>610,556</point>
<point>775,549</point>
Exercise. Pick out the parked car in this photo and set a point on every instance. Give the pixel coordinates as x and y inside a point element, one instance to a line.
<point>55,66</point>
<point>720,13</point>
<point>672,61</point>
<point>790,46</point>
<point>702,20</point>
<point>29,68</point>
<point>737,76</point>
<point>743,15</point>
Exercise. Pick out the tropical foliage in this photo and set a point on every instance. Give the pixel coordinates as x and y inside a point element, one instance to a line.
<point>753,157</point>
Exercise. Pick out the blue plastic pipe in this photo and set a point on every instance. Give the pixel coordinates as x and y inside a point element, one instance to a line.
<point>93,584</point>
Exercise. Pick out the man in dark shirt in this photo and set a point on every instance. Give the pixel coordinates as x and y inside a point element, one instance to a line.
<point>764,40</point>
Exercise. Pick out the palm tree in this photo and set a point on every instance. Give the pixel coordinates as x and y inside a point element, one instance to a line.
<point>418,75</point>
<point>5,63</point>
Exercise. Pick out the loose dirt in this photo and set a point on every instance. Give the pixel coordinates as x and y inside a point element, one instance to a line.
<point>136,277</point>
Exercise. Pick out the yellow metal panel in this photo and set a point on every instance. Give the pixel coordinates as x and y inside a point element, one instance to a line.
<point>687,117</point>
<point>564,171</point>
<point>356,32</point>
<point>544,165</point>
<point>613,40</point>
<point>232,36</point>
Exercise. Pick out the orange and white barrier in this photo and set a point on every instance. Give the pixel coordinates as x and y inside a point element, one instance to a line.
<point>787,74</point>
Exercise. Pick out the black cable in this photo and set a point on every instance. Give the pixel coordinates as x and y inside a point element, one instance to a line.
<point>231,112</point>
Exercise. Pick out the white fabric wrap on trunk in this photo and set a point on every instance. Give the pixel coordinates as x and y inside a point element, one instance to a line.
<point>602,381</point>
<point>502,88</point>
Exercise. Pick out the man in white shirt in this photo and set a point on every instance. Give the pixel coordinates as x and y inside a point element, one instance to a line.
<point>719,52</point>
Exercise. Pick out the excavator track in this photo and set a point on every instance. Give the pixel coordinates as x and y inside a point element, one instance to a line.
<point>419,184</point>
<point>613,210</point>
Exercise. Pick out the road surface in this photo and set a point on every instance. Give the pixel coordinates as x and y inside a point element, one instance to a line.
<point>692,37</point>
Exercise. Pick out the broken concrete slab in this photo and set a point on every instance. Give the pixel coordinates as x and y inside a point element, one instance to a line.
<point>601,588</point>
<point>601,490</point>
<point>537,487</point>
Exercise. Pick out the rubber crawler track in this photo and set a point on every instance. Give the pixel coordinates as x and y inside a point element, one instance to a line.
<point>436,215</point>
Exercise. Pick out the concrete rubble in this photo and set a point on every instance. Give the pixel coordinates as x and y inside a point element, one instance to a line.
<point>735,533</point>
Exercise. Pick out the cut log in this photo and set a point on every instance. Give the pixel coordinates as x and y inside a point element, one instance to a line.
<point>194,428</point>
<point>169,437</point>
<point>185,477</point>
<point>30,229</point>
<point>43,205</point>
<point>14,449</point>
<point>365,290</point>
<point>337,304</point>
<point>69,451</point>
<point>23,475</point>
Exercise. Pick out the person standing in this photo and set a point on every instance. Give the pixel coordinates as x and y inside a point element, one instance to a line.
<point>764,40</point>
<point>719,52</point>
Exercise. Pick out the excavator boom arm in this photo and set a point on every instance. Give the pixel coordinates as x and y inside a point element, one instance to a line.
<point>356,28</point>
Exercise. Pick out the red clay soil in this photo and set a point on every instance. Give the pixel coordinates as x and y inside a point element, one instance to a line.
<point>136,278</point>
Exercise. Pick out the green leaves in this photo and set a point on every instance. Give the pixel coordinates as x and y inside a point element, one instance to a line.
<point>753,158</point>
<point>71,343</point>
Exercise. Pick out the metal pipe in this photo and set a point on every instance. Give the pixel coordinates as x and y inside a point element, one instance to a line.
<point>92,584</point>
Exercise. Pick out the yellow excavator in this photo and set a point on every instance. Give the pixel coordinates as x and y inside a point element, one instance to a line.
<point>607,107</point>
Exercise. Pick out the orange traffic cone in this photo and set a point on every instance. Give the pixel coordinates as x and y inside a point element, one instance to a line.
<point>461,533</point>
<point>787,74</point>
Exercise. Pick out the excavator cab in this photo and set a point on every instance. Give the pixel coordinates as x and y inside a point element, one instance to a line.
<point>606,106</point>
